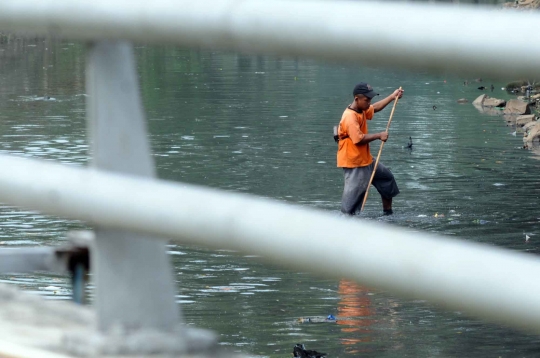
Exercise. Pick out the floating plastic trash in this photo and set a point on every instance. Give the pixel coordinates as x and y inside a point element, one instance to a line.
<point>317,319</point>
<point>481,222</point>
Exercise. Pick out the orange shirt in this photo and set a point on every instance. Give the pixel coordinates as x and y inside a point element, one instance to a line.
<point>352,128</point>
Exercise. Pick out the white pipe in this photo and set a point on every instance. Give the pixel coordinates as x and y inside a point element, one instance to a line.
<point>464,39</point>
<point>488,282</point>
<point>29,260</point>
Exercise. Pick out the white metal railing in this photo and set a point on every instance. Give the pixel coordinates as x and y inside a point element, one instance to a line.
<point>465,39</point>
<point>457,274</point>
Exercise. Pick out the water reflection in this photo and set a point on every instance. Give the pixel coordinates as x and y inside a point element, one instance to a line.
<point>356,315</point>
<point>491,111</point>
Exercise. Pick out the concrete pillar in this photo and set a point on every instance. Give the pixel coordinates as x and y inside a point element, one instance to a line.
<point>134,282</point>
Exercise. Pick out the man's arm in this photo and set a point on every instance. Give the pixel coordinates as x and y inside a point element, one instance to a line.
<point>379,106</point>
<point>371,137</point>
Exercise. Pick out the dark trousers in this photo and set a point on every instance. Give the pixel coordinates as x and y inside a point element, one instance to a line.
<point>356,183</point>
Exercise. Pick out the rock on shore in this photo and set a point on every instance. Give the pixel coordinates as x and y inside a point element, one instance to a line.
<point>515,106</point>
<point>531,137</point>
<point>486,101</point>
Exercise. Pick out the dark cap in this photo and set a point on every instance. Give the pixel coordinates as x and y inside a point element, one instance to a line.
<point>365,89</point>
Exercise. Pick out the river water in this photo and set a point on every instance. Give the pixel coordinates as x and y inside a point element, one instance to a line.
<point>263,126</point>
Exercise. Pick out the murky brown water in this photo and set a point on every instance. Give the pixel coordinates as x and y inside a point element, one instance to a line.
<point>262,125</point>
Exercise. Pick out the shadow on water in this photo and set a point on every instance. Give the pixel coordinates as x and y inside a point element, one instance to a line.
<point>263,126</point>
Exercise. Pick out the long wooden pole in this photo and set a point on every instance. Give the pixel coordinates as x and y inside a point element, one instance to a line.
<point>379,155</point>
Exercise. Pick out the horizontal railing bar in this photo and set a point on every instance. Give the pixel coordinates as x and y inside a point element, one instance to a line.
<point>488,282</point>
<point>28,260</point>
<point>464,39</point>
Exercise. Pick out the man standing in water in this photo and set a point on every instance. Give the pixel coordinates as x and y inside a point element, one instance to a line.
<point>353,151</point>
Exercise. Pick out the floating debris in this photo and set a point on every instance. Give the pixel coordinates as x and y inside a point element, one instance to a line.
<point>300,350</point>
<point>318,319</point>
<point>410,144</point>
<point>480,221</point>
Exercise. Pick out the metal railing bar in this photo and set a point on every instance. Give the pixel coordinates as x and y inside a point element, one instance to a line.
<point>481,280</point>
<point>18,260</point>
<point>435,37</point>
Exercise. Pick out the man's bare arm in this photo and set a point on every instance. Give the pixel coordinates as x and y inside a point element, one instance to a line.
<point>371,137</point>
<point>379,106</point>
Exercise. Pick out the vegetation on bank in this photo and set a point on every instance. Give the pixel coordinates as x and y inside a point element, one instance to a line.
<point>523,84</point>
<point>523,4</point>
<point>6,37</point>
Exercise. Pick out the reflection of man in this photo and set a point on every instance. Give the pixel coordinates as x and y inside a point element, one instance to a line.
<point>354,155</point>
<point>355,312</point>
